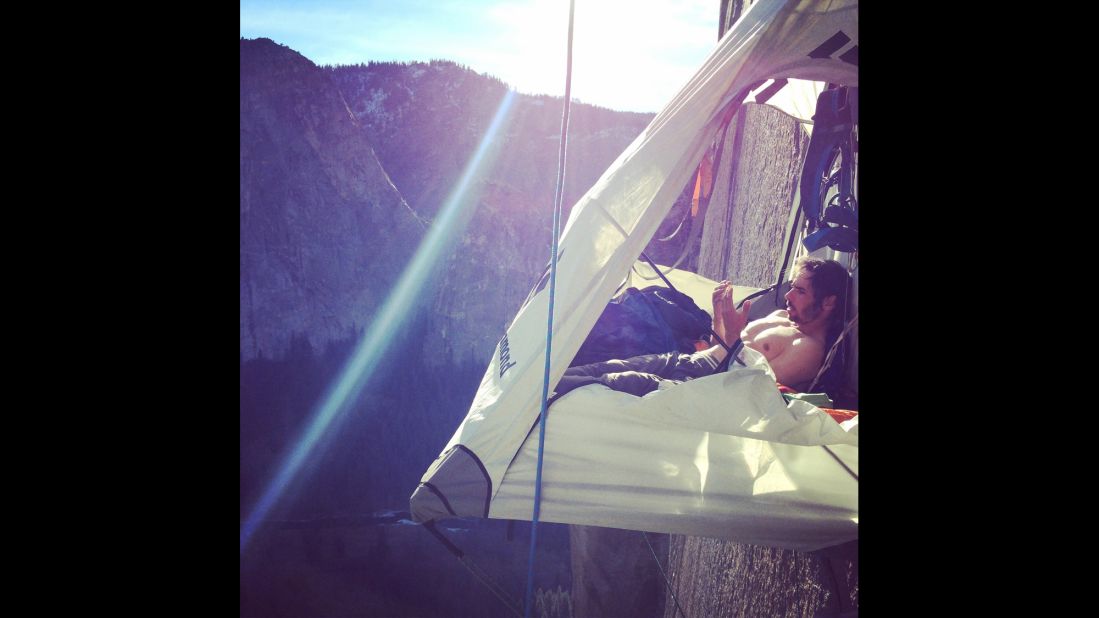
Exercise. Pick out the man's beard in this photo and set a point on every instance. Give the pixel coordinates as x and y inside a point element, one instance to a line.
<point>812,311</point>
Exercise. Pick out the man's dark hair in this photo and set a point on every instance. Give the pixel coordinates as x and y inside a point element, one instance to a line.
<point>829,278</point>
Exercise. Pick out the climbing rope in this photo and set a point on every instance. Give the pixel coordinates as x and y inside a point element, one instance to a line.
<point>558,198</point>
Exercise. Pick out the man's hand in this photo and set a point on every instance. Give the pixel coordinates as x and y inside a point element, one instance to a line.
<point>720,298</point>
<point>728,322</point>
<point>719,295</point>
<point>732,320</point>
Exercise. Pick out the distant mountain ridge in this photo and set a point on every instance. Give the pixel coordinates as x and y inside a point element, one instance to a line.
<point>312,197</point>
<point>426,122</point>
<point>343,169</point>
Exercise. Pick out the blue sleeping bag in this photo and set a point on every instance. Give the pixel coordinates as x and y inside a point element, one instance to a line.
<point>649,321</point>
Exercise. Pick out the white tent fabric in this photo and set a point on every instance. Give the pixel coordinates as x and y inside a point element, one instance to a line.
<point>797,98</point>
<point>606,231</point>
<point>699,288</point>
<point>721,456</point>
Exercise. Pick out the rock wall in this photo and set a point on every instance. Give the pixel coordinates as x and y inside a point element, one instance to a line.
<point>313,199</point>
<point>743,242</point>
<point>428,122</point>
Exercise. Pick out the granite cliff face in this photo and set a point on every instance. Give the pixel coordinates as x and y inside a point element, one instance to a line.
<point>324,233</point>
<point>427,122</point>
<point>324,237</point>
<point>313,199</point>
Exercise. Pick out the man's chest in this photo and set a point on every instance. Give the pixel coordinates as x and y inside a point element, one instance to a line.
<point>772,339</point>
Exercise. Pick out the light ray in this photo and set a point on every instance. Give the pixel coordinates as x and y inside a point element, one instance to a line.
<point>448,226</point>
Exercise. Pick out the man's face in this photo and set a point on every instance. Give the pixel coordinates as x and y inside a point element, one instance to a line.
<point>801,303</point>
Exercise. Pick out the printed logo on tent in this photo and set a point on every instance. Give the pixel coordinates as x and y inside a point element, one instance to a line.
<point>833,45</point>
<point>505,356</point>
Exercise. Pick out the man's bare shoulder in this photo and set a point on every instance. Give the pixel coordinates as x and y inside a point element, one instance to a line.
<point>776,315</point>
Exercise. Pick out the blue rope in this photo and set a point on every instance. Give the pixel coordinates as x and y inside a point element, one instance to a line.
<point>558,198</point>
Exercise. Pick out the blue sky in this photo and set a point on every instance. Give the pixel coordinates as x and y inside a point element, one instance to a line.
<point>627,54</point>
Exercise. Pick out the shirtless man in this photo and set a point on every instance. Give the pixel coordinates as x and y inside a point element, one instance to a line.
<point>793,340</point>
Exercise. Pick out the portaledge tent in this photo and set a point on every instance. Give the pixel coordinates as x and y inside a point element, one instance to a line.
<point>721,456</point>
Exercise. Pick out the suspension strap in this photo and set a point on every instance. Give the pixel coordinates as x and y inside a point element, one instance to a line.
<point>789,249</point>
<point>558,198</point>
<point>662,277</point>
<point>662,574</point>
<point>476,571</point>
<point>832,352</point>
<point>840,462</point>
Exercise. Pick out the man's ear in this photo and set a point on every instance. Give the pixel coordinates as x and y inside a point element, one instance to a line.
<point>829,302</point>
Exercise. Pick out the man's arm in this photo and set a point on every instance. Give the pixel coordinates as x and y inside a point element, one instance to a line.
<point>728,322</point>
<point>799,362</point>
